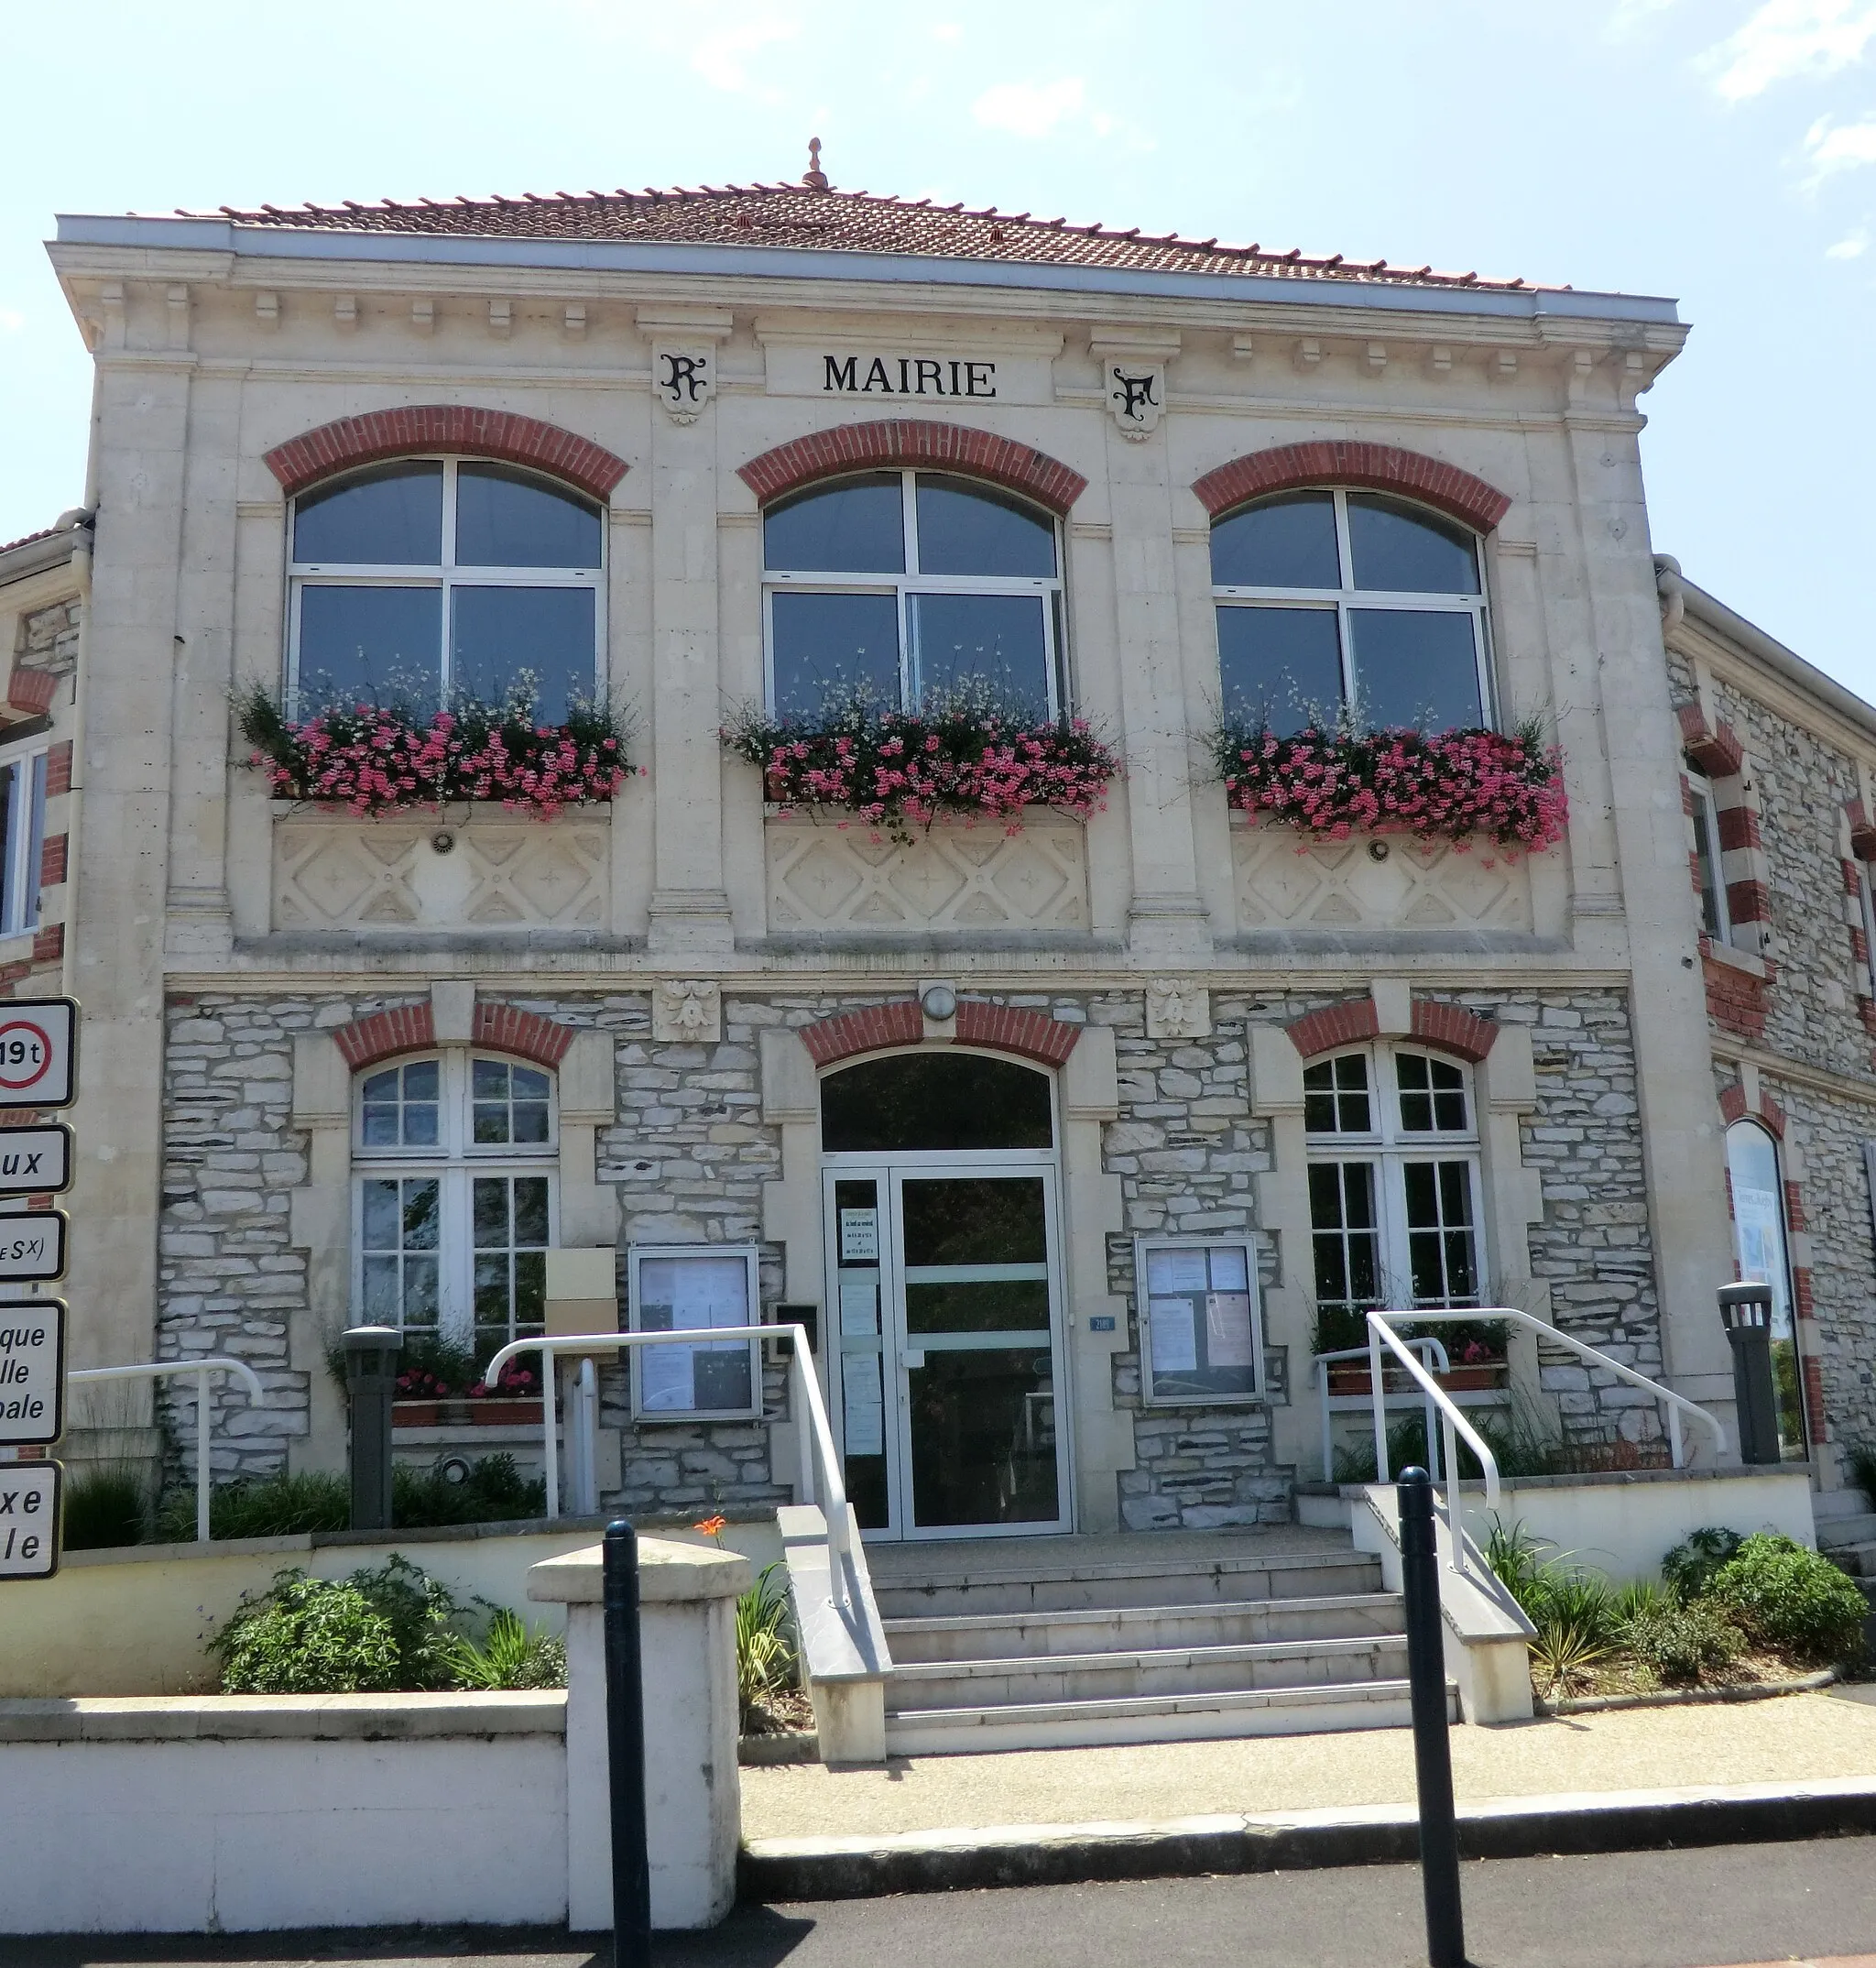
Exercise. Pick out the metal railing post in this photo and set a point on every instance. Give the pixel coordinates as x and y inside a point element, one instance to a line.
<point>1380,1404</point>
<point>1433,1752</point>
<point>204,1468</point>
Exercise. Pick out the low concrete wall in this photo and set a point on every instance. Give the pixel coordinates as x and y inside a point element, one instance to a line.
<point>233,1813</point>
<point>135,1620</point>
<point>1622,1524</point>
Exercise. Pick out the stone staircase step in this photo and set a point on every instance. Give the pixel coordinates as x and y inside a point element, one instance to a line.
<point>1003,1635</point>
<point>1857,1560</point>
<point>1841,1504</point>
<point>1309,1709</point>
<point>1036,1681</point>
<point>1835,1532</point>
<point>1068,1585</point>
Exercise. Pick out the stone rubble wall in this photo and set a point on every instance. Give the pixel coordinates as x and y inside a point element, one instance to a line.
<point>47,638</point>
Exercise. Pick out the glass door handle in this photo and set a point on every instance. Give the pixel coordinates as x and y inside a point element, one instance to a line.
<point>912,1357</point>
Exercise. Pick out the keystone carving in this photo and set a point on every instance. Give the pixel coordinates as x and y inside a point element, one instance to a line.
<point>686,1008</point>
<point>1176,1010</point>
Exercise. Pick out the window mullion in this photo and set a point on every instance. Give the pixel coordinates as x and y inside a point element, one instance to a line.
<point>908,518</point>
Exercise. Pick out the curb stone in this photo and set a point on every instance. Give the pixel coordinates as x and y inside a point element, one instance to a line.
<point>1679,1698</point>
<point>953,1860</point>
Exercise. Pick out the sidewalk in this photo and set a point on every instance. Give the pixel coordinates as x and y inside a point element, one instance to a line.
<point>1793,1739</point>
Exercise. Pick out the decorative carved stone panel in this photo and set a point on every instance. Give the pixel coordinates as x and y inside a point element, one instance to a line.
<point>390,875</point>
<point>1340,885</point>
<point>826,878</point>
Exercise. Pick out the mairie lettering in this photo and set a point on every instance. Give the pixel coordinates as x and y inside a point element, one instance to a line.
<point>908,375</point>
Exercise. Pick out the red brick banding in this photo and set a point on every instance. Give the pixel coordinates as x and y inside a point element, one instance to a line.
<point>1748,901</point>
<point>29,693</point>
<point>899,1022</point>
<point>1346,1024</point>
<point>1738,828</point>
<point>1732,1108</point>
<point>1030,1034</point>
<point>1377,467</point>
<point>1717,752</point>
<point>52,861</point>
<point>1735,998</point>
<point>505,1028</point>
<point>59,770</point>
<point>1451,1028</point>
<point>1862,832</point>
<point>49,945</point>
<point>897,442</point>
<point>350,441</point>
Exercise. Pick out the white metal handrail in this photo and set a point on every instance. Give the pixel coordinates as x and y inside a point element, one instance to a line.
<point>1381,1331</point>
<point>156,1370</point>
<point>820,1467</point>
<point>1426,1344</point>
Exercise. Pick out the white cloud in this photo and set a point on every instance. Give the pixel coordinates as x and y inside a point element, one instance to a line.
<point>948,32</point>
<point>1630,17</point>
<point>1835,147</point>
<point>1030,109</point>
<point>1853,245</point>
<point>11,321</point>
<point>1788,38</point>
<point>723,59</point>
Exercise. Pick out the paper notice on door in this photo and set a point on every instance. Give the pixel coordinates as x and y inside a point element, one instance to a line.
<point>1228,1273</point>
<point>666,1379</point>
<point>1174,1335</point>
<point>864,1408</point>
<point>1228,1329</point>
<point>859,1307</point>
<point>859,1236</point>
<point>1177,1271</point>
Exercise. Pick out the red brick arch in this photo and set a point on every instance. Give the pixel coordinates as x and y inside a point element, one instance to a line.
<point>1445,1028</point>
<point>409,1028</point>
<point>906,441</point>
<point>997,1028</point>
<point>350,441</point>
<point>1377,467</point>
<point>1732,1108</point>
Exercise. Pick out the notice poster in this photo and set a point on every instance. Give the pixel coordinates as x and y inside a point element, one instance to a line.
<point>859,1307</point>
<point>1177,1271</point>
<point>1229,1270</point>
<point>859,1236</point>
<point>1174,1336</point>
<point>1228,1329</point>
<point>694,1292</point>
<point>665,1379</point>
<point>863,1405</point>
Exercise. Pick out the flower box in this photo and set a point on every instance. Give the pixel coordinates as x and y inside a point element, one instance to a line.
<point>1351,1377</point>
<point>458,1413</point>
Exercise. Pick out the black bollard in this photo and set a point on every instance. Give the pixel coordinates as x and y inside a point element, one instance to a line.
<point>1432,1754</point>
<point>625,1751</point>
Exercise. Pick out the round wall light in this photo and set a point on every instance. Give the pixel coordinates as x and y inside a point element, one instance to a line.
<point>939,1001</point>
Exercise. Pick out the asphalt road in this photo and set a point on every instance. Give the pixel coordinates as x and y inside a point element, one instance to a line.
<point>1707,1909</point>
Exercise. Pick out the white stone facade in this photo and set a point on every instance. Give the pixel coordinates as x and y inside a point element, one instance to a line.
<point>689,945</point>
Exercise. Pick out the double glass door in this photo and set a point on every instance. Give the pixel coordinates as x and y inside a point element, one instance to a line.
<point>943,1330</point>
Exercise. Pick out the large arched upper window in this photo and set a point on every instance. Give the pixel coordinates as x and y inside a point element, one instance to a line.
<point>1335,602</point>
<point>417,580</point>
<point>453,1162</point>
<point>910,585</point>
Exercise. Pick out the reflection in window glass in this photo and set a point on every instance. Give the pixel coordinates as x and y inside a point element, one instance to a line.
<point>505,518</point>
<point>1282,667</point>
<point>1764,1258</point>
<point>22,841</point>
<point>539,641</point>
<point>854,527</point>
<point>399,1233</point>
<point>964,531</point>
<point>393,519</point>
<point>1439,1233</point>
<point>832,646</point>
<point>995,641</point>
<point>398,1108</point>
<point>1287,541</point>
<point>1403,551</point>
<point>1417,668</point>
<point>369,645</point>
<point>1345,1235</point>
<point>510,1224</point>
<point>1334,1095</point>
<point>510,1103</point>
<point>922,1100</point>
<point>1433,1094</point>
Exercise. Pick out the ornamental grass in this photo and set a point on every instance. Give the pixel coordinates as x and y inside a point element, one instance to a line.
<point>1333,781</point>
<point>393,756</point>
<point>962,756</point>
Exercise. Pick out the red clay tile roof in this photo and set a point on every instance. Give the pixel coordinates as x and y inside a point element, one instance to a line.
<point>836,222</point>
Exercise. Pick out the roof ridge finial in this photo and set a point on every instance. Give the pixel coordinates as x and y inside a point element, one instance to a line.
<point>814,177</point>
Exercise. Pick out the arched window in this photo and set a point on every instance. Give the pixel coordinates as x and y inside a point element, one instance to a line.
<point>453,1205</point>
<point>920,1102</point>
<point>1394,1201</point>
<point>419,579</point>
<point>1334,602</point>
<point>910,585</point>
<point>1764,1258</point>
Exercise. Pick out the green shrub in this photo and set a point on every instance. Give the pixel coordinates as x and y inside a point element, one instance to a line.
<point>1787,1597</point>
<point>493,1491</point>
<point>765,1644</point>
<point>509,1657</point>
<point>1564,1650</point>
<point>1689,1568</point>
<point>388,1626</point>
<point>1552,1593</point>
<point>106,1506</point>
<point>1681,1643</point>
<point>281,1505</point>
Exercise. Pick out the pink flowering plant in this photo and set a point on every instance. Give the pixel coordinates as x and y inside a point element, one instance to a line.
<point>1333,779</point>
<point>965,755</point>
<point>394,755</point>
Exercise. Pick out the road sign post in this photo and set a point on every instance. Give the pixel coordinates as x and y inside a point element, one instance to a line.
<point>36,1161</point>
<point>30,1499</point>
<point>38,1052</point>
<point>32,1374</point>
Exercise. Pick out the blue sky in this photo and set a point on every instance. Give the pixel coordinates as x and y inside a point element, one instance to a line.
<point>1722,151</point>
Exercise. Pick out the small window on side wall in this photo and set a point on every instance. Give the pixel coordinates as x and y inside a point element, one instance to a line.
<point>22,840</point>
<point>1715,920</point>
<point>1334,605</point>
<point>1201,1325</point>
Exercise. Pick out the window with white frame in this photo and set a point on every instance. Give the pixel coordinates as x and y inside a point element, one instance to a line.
<point>418,580</point>
<point>910,585</point>
<point>1349,603</point>
<point>1866,905</point>
<point>453,1203</point>
<point>1394,1194</point>
<point>23,817</point>
<point>1715,919</point>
